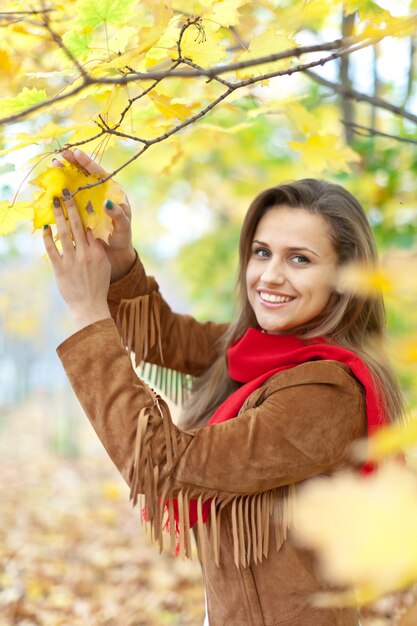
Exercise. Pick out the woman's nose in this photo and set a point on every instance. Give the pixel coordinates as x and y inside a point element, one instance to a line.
<point>273,274</point>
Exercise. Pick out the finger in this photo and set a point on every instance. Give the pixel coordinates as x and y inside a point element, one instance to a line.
<point>74,219</point>
<point>56,163</point>
<point>50,247</point>
<point>84,162</point>
<point>92,241</point>
<point>127,209</point>
<point>62,227</point>
<point>89,236</point>
<point>119,214</point>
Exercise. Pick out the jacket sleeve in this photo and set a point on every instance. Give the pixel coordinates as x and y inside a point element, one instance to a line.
<point>149,328</point>
<point>301,424</point>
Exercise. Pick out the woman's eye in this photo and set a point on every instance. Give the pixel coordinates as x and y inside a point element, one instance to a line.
<point>300,259</point>
<point>261,252</point>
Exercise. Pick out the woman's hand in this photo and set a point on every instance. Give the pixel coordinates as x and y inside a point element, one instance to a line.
<point>119,250</point>
<point>83,270</point>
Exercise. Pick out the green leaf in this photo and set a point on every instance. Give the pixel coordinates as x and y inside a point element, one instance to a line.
<point>94,12</point>
<point>77,43</point>
<point>24,100</point>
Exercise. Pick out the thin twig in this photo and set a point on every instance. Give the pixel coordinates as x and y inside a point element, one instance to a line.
<point>366,131</point>
<point>362,97</point>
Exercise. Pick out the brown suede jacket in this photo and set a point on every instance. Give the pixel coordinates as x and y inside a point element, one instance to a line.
<point>298,424</point>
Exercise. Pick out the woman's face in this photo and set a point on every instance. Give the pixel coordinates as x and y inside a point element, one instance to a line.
<point>291,271</point>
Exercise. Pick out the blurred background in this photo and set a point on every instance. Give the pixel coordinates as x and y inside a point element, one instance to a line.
<point>72,551</point>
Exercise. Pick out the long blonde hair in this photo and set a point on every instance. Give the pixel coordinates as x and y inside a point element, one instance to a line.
<point>353,321</point>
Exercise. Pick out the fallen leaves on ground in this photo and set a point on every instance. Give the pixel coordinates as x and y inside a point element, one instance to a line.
<point>72,551</point>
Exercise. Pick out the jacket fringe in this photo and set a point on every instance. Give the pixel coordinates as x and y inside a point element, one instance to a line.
<point>252,515</point>
<point>139,324</point>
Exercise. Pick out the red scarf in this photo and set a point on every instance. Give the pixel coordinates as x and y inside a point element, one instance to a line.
<point>257,356</point>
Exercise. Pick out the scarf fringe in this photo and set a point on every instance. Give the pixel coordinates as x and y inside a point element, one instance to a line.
<point>139,324</point>
<point>252,516</point>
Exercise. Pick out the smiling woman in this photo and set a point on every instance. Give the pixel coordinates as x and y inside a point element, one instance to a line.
<point>279,394</point>
<point>291,274</point>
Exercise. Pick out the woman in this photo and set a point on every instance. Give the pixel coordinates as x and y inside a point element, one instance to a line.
<point>284,389</point>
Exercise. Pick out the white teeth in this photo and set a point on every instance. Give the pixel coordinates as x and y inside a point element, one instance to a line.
<point>269,297</point>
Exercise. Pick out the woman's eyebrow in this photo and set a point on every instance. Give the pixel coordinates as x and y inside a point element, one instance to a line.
<point>299,248</point>
<point>290,248</point>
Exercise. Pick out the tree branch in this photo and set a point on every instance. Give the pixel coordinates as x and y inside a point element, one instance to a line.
<point>410,69</point>
<point>212,73</point>
<point>362,97</point>
<point>231,87</point>
<point>365,131</point>
<point>348,22</point>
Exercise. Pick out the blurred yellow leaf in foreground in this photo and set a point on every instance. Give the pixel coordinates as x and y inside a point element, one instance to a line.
<point>363,530</point>
<point>393,439</point>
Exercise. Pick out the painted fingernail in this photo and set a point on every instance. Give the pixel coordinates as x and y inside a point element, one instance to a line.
<point>108,204</point>
<point>57,203</point>
<point>46,226</point>
<point>66,193</point>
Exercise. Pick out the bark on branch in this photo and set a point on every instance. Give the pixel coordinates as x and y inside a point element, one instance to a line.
<point>362,97</point>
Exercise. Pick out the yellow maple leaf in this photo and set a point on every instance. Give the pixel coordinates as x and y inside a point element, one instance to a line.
<point>203,44</point>
<point>262,45</point>
<point>301,118</point>
<point>169,108</point>
<point>12,214</point>
<point>224,12</point>
<point>355,278</point>
<point>362,529</point>
<point>6,65</point>
<point>90,202</point>
<point>393,439</point>
<point>322,152</point>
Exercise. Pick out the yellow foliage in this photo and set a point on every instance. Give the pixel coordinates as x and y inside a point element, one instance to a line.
<point>6,64</point>
<point>203,44</point>
<point>364,280</point>
<point>393,439</point>
<point>363,530</point>
<point>223,12</point>
<point>265,44</point>
<point>323,152</point>
<point>90,202</point>
<point>12,214</point>
<point>302,119</point>
<point>392,278</point>
<point>169,108</point>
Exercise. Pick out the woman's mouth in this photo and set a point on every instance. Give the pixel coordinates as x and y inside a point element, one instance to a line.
<point>272,298</point>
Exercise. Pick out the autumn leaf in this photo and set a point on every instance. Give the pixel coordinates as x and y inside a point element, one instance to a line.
<point>6,64</point>
<point>351,522</point>
<point>364,280</point>
<point>90,202</point>
<point>325,152</point>
<point>393,439</point>
<point>203,45</point>
<point>78,43</point>
<point>223,12</point>
<point>304,121</point>
<point>24,100</point>
<point>94,12</point>
<point>12,214</point>
<point>265,44</point>
<point>169,108</point>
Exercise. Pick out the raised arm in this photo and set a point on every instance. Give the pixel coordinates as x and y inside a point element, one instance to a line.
<point>155,333</point>
<point>299,424</point>
<point>147,325</point>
